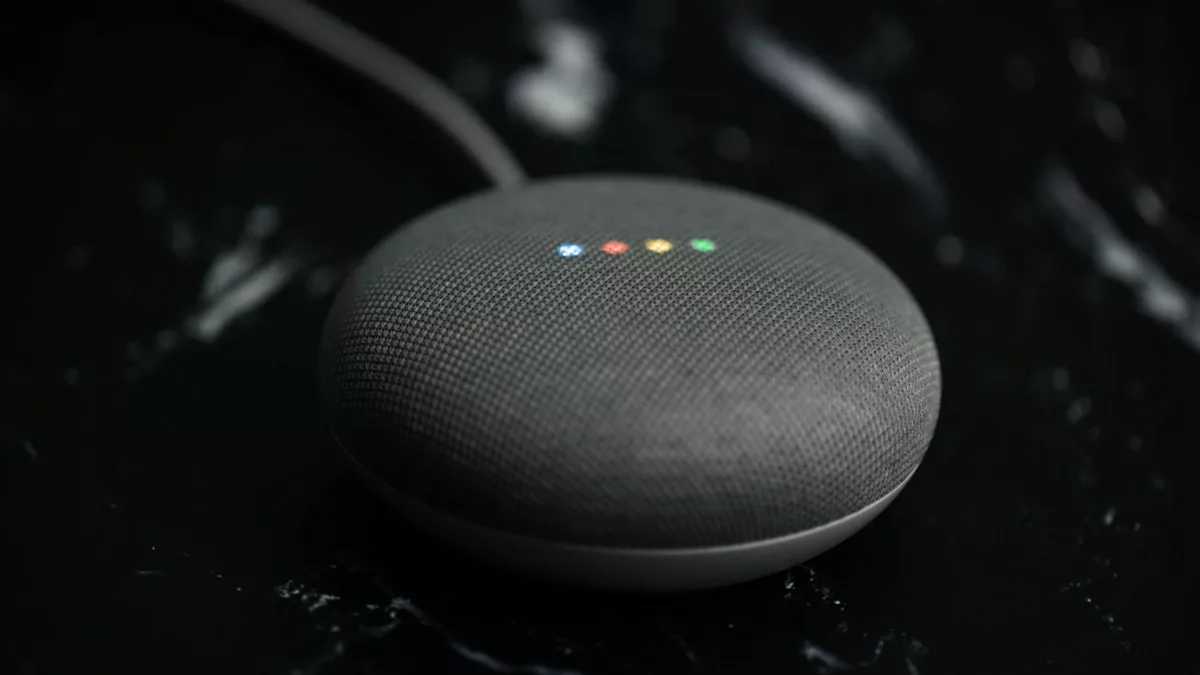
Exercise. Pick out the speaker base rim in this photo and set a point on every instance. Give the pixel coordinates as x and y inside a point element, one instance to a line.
<point>629,570</point>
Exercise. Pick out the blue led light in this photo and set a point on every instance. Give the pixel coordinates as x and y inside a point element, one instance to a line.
<point>570,250</point>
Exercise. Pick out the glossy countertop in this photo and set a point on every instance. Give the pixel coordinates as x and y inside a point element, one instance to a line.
<point>185,189</point>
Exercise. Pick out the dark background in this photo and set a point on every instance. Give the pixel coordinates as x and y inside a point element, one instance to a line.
<point>170,505</point>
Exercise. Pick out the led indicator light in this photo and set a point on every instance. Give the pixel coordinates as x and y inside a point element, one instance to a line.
<point>658,245</point>
<point>703,245</point>
<point>615,247</point>
<point>570,250</point>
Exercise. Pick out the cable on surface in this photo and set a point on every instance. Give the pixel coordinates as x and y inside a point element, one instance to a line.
<point>371,58</point>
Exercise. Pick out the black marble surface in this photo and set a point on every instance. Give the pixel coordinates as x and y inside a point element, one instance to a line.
<point>184,188</point>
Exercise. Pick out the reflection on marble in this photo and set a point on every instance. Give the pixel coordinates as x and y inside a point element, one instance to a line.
<point>174,505</point>
<point>566,93</point>
<point>1158,295</point>
<point>861,124</point>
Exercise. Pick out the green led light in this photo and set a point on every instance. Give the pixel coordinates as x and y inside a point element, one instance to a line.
<point>703,245</point>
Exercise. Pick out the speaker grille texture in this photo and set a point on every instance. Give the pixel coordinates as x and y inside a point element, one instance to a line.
<point>781,381</point>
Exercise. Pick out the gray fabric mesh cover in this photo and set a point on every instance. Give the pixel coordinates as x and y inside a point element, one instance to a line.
<point>686,399</point>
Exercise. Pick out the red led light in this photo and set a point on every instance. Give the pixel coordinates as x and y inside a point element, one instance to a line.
<point>615,247</point>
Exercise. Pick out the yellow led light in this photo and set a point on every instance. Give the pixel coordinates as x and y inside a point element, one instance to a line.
<point>658,245</point>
